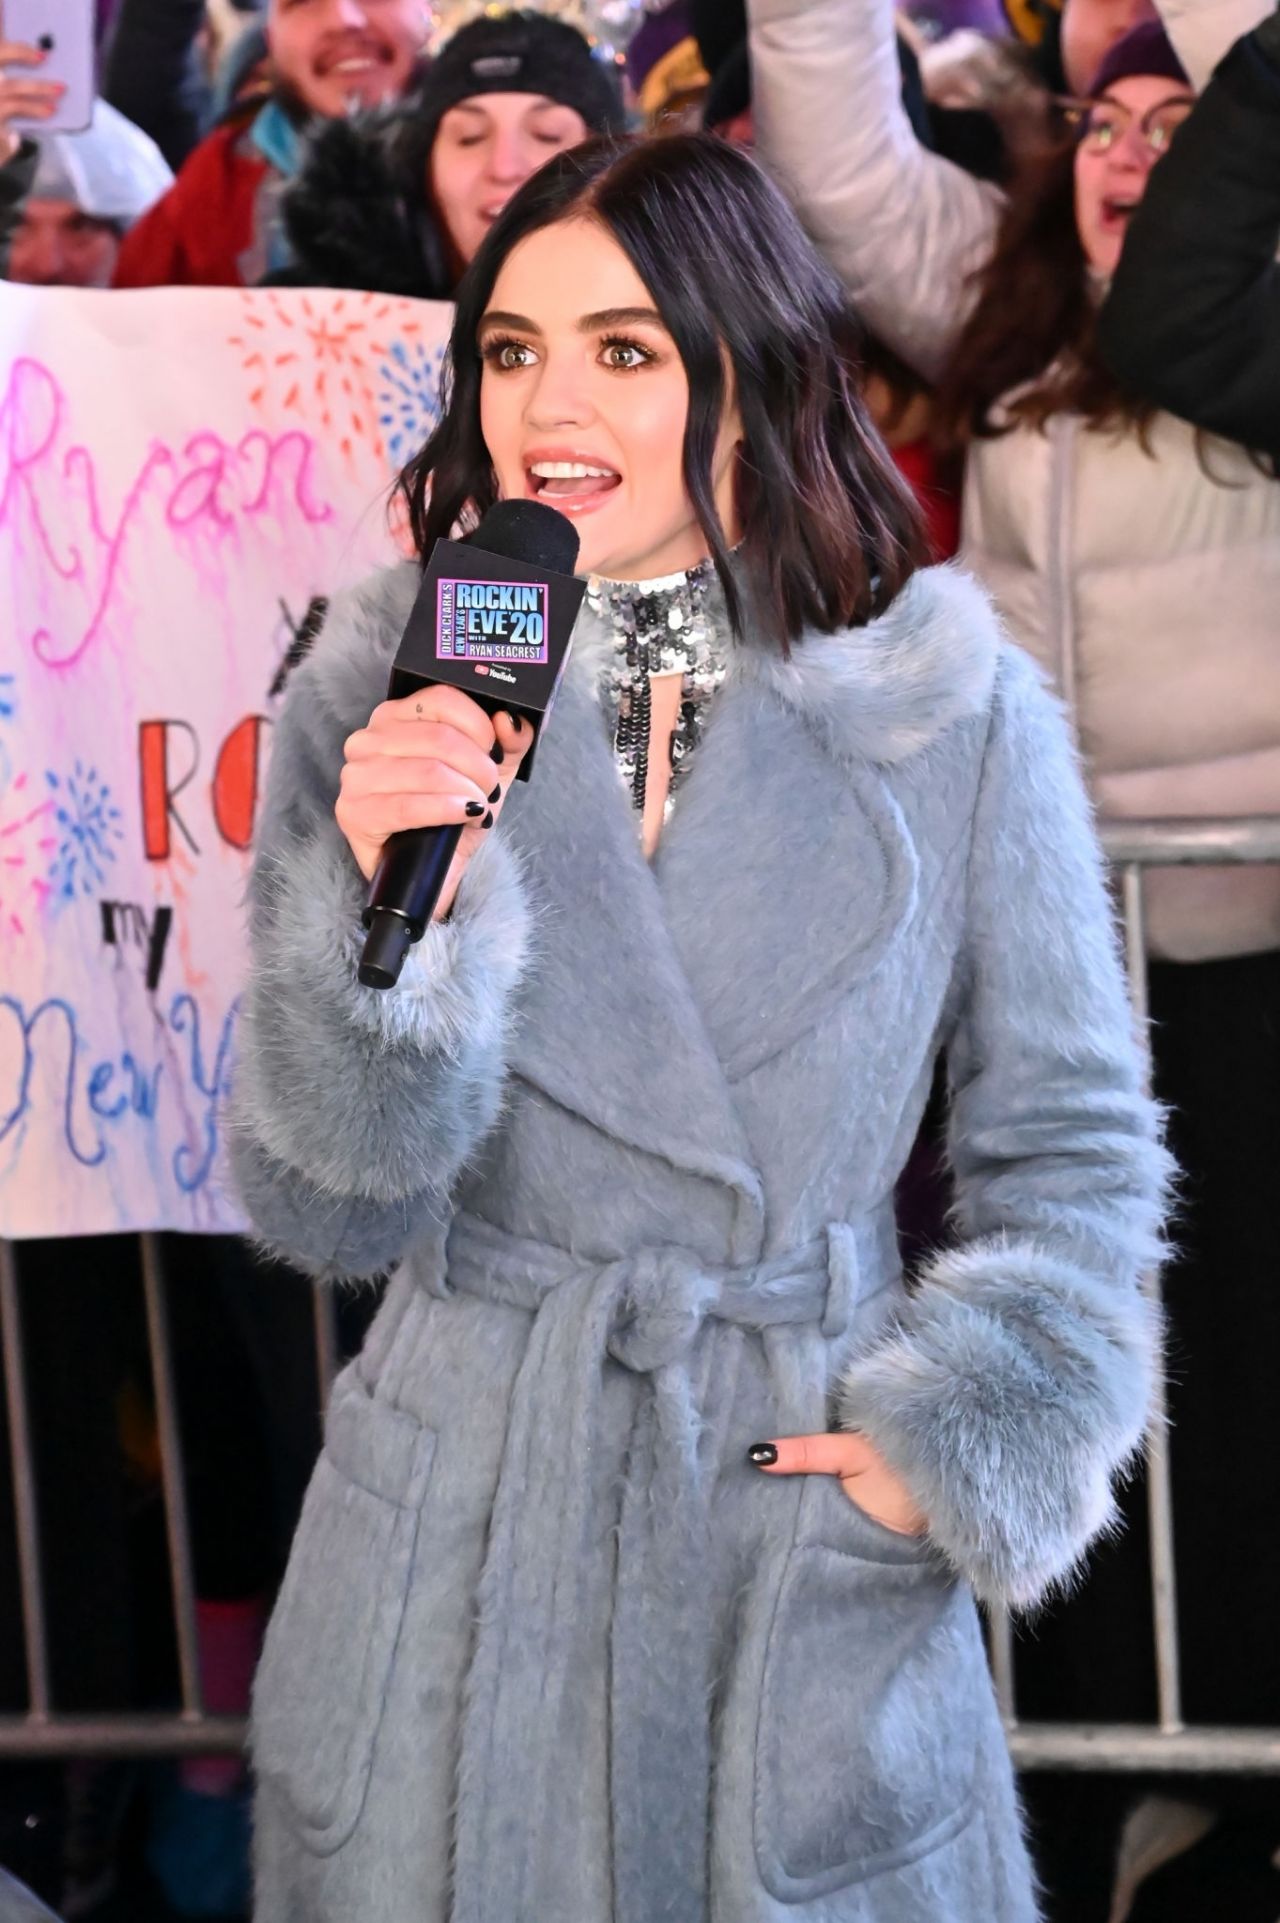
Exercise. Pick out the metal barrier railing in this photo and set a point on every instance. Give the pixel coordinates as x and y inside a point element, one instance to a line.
<point>1169,1744</point>
<point>191,1730</point>
<point>1131,847</point>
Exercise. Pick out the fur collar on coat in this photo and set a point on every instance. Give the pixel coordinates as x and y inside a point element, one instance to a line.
<point>879,693</point>
<point>736,1041</point>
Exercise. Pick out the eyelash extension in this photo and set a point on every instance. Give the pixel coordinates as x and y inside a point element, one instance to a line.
<point>625,340</point>
<point>494,346</point>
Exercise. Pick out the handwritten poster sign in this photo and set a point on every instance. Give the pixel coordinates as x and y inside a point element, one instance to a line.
<point>185,475</point>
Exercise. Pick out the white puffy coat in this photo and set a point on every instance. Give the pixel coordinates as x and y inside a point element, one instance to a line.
<point>1148,585</point>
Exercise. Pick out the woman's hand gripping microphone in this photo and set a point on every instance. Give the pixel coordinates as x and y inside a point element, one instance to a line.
<point>433,760</point>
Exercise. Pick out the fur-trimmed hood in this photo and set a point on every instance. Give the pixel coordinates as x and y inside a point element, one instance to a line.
<point>355,215</point>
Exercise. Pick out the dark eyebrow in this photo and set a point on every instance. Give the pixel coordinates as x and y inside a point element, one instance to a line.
<point>600,323</point>
<point>621,317</point>
<point>519,323</point>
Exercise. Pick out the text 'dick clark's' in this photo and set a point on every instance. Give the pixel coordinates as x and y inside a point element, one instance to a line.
<point>491,620</point>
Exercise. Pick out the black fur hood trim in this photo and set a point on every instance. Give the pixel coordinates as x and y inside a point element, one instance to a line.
<point>355,215</point>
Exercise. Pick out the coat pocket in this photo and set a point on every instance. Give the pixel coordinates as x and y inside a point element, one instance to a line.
<point>874,1697</point>
<point>327,1661</point>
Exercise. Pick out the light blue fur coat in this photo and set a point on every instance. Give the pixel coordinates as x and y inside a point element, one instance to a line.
<point>549,1650</point>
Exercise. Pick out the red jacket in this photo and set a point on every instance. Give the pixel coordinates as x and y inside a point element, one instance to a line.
<point>208,230</point>
<point>920,468</point>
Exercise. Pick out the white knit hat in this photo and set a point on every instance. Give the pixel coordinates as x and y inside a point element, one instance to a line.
<point>111,171</point>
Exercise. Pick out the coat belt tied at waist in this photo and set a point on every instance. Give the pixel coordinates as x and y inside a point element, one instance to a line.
<point>643,1311</point>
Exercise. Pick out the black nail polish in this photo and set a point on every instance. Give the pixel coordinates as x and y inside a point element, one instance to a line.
<point>488,820</point>
<point>762,1454</point>
<point>497,753</point>
<point>497,793</point>
<point>475,808</point>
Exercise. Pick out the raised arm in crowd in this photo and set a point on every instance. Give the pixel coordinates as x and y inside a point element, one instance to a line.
<point>153,72</point>
<point>905,228</point>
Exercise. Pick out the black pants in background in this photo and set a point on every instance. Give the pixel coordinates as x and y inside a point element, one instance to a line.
<point>1216,1045</point>
<point>243,1347</point>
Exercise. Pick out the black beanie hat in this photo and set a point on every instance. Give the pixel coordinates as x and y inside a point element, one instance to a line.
<point>520,53</point>
<point>1145,51</point>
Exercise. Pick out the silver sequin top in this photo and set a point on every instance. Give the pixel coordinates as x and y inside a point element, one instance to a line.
<point>676,625</point>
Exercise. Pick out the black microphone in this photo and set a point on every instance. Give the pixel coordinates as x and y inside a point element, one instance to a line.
<point>494,616</point>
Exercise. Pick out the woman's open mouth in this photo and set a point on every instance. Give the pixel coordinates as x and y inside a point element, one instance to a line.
<point>575,487</point>
<point>1116,212</point>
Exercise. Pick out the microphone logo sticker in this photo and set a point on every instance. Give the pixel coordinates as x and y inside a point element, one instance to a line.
<point>491,621</point>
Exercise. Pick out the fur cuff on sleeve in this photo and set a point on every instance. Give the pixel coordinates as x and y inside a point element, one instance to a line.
<point>1013,1389</point>
<point>456,981</point>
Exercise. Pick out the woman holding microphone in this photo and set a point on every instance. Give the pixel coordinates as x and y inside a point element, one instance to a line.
<point>637,1577</point>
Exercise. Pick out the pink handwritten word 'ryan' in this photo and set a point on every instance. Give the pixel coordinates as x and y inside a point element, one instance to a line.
<point>202,489</point>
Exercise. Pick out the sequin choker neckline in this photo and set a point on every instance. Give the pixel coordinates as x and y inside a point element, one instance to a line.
<point>601,586</point>
<point>672,625</point>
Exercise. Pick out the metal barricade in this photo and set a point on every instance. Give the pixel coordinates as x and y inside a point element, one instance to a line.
<point>191,1730</point>
<point>1168,1744</point>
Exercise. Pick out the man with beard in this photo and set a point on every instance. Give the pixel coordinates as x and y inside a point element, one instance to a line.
<point>219,224</point>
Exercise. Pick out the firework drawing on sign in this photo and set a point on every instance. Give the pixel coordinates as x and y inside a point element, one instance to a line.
<point>27,842</point>
<point>87,825</point>
<point>26,847</point>
<point>316,356</point>
<point>408,396</point>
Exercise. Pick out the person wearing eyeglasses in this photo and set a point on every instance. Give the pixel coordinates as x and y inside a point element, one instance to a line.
<point>1118,139</point>
<point>1136,559</point>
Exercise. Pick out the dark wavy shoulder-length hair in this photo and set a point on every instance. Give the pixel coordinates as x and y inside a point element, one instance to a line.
<point>829,533</point>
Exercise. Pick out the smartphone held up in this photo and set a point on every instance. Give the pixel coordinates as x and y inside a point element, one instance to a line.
<point>46,66</point>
